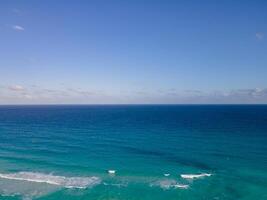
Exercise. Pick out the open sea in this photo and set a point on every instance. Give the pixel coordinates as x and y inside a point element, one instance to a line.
<point>133,152</point>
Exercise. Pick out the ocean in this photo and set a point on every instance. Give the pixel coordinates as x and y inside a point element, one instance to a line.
<point>133,152</point>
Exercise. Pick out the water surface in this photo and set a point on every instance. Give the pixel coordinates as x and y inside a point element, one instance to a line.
<point>56,152</point>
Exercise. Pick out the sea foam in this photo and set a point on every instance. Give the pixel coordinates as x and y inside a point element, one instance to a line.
<point>169,184</point>
<point>194,176</point>
<point>62,181</point>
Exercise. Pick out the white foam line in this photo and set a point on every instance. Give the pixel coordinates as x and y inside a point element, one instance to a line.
<point>67,182</point>
<point>10,177</point>
<point>181,186</point>
<point>194,176</point>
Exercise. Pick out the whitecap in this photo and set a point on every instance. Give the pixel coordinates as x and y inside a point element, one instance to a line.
<point>181,186</point>
<point>195,176</point>
<point>111,171</point>
<point>166,174</point>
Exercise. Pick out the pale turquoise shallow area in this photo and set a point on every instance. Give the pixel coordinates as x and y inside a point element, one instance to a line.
<point>141,143</point>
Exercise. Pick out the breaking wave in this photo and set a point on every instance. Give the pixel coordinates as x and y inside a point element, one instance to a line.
<point>67,182</point>
<point>194,176</point>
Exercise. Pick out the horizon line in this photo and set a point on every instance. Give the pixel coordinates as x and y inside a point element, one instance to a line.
<point>143,104</point>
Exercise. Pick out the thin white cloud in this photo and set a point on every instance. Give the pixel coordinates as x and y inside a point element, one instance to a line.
<point>80,92</point>
<point>35,94</point>
<point>27,96</point>
<point>16,88</point>
<point>259,35</point>
<point>18,28</point>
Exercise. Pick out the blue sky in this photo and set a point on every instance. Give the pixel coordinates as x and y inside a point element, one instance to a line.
<point>133,51</point>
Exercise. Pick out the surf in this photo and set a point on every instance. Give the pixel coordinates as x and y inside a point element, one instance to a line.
<point>169,184</point>
<point>195,176</point>
<point>62,181</point>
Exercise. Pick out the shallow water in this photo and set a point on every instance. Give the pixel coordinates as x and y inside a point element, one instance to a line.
<point>56,152</point>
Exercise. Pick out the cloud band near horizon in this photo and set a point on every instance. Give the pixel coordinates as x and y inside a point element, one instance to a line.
<point>18,94</point>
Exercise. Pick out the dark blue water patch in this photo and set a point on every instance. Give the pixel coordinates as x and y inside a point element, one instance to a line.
<point>170,157</point>
<point>239,119</point>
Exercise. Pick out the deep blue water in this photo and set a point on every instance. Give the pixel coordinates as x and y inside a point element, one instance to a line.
<point>52,152</point>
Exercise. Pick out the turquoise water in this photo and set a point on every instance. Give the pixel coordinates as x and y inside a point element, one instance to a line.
<point>65,152</point>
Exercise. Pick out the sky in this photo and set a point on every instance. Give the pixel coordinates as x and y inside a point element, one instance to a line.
<point>133,52</point>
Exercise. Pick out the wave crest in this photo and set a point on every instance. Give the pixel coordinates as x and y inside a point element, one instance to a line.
<point>194,176</point>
